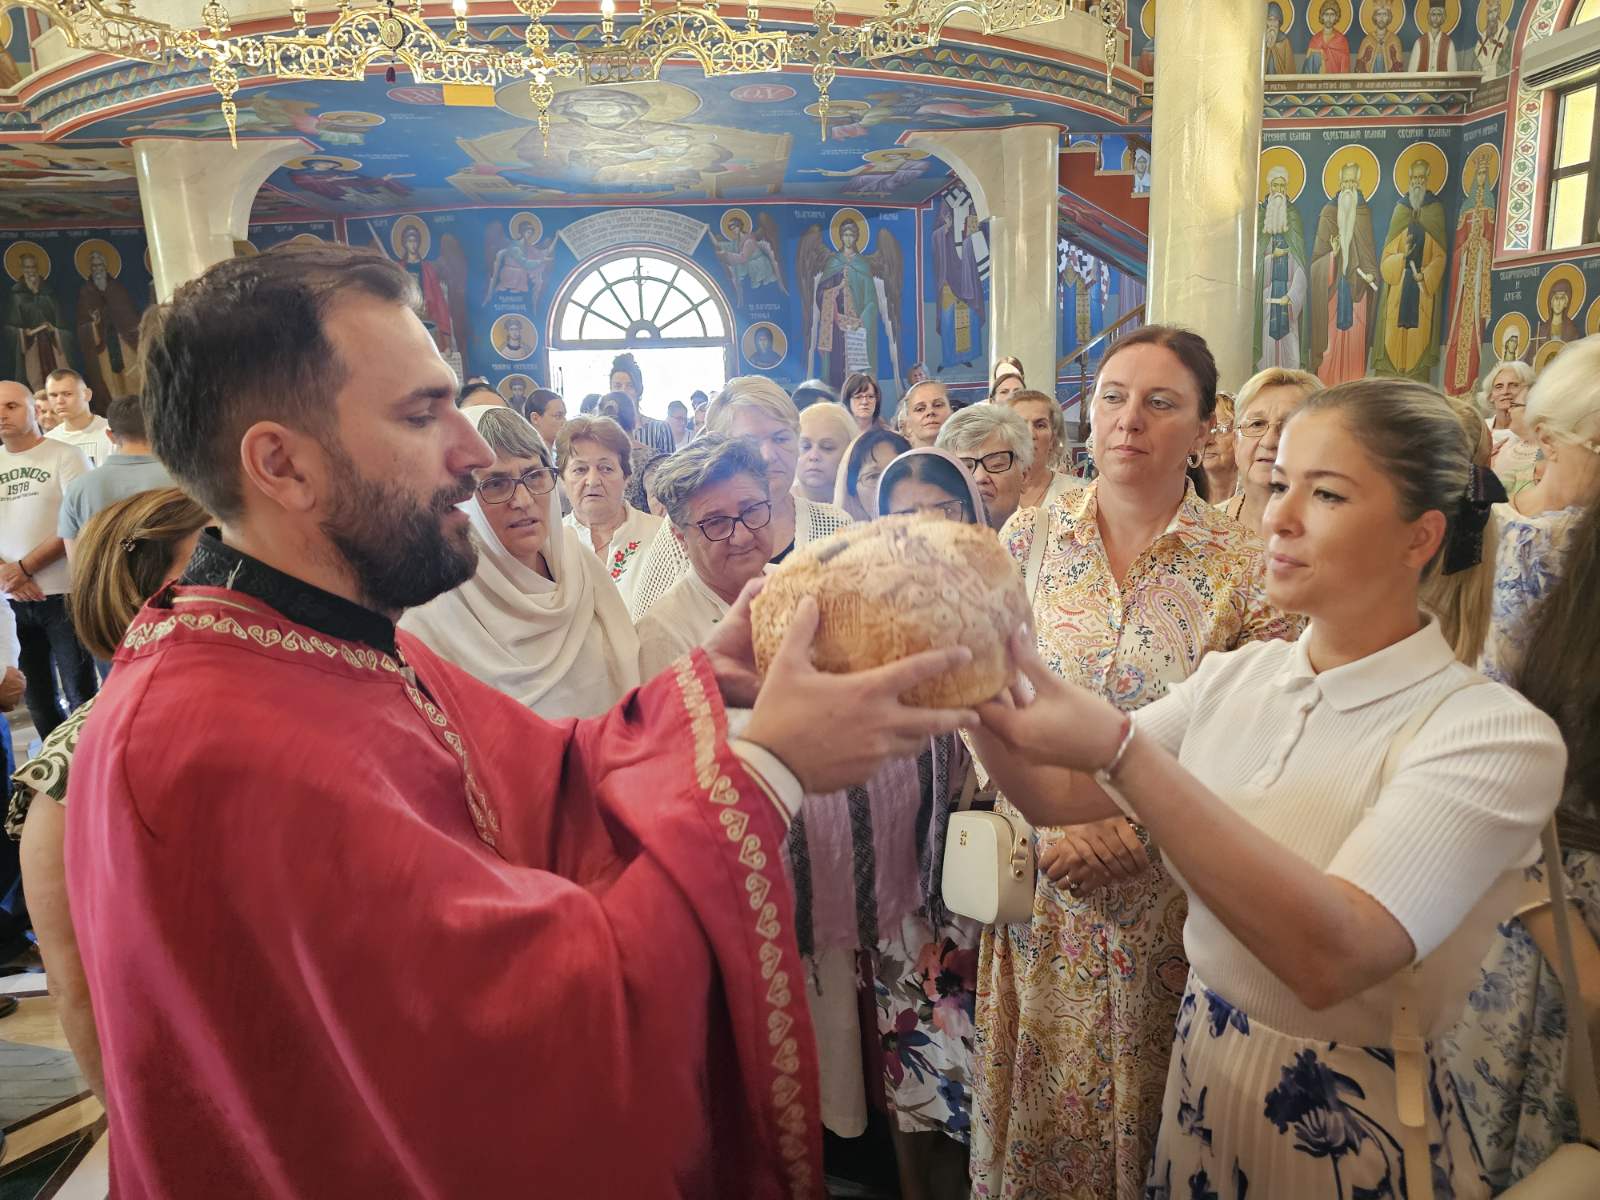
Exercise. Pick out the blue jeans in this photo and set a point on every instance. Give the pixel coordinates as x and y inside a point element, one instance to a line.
<point>50,648</point>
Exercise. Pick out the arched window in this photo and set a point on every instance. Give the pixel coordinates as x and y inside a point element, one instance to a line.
<point>1574,217</point>
<point>661,309</point>
<point>639,298</point>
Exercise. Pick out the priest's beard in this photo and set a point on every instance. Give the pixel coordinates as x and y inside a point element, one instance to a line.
<point>397,548</point>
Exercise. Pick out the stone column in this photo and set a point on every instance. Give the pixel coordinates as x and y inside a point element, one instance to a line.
<point>1204,156</point>
<point>1011,175</point>
<point>197,196</point>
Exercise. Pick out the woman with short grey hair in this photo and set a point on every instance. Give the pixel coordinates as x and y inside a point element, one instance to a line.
<point>995,445</point>
<point>540,619</point>
<point>719,506</point>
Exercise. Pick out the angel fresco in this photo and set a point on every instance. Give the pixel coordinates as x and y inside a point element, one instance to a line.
<point>520,266</point>
<point>751,255</point>
<point>443,283</point>
<point>341,181</point>
<point>852,298</point>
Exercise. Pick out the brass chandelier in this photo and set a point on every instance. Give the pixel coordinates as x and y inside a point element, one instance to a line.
<point>360,37</point>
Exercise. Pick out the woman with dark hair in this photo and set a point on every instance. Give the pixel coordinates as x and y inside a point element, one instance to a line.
<point>868,864</point>
<point>1134,580</point>
<point>1349,814</point>
<point>864,398</point>
<point>124,555</point>
<point>478,392</point>
<point>647,431</point>
<point>856,491</point>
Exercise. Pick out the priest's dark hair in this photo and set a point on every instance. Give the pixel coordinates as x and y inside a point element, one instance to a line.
<point>243,343</point>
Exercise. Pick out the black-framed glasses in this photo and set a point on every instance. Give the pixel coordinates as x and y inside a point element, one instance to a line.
<point>720,529</point>
<point>539,481</point>
<point>950,510</point>
<point>1256,427</point>
<point>997,463</point>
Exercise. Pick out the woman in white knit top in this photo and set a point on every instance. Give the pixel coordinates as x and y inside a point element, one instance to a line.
<point>1315,876</point>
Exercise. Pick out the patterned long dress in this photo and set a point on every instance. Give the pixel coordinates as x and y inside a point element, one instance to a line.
<point>1508,1054</point>
<point>1075,1011</point>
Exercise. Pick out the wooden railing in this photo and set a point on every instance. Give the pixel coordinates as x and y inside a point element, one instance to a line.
<point>1073,373</point>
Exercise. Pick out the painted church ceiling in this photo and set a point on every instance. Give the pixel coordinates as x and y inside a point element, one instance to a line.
<point>375,147</point>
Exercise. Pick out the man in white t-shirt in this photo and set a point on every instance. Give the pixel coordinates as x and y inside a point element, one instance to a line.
<point>68,393</point>
<point>34,473</point>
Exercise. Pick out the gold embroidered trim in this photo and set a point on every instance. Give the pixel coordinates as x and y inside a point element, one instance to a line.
<point>793,1124</point>
<point>363,658</point>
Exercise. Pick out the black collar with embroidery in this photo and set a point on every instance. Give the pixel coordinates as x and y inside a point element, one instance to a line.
<point>216,564</point>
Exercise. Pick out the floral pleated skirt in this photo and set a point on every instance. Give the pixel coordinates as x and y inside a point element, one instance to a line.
<point>1253,1112</point>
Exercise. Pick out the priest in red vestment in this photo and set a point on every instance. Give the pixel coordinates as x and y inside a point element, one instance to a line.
<point>355,924</point>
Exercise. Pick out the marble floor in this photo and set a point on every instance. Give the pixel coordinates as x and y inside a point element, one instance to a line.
<point>54,1127</point>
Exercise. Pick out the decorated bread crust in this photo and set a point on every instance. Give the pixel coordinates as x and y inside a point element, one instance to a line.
<point>894,587</point>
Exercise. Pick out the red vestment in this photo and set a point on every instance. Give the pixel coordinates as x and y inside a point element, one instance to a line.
<point>353,937</point>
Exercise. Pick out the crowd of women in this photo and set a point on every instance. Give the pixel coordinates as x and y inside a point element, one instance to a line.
<point>1296,590</point>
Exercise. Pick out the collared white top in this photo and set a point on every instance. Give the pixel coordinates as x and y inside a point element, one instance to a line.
<point>1298,754</point>
<point>678,622</point>
<point>628,545</point>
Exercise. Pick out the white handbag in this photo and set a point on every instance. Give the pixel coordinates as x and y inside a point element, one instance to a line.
<point>1573,1171</point>
<point>988,872</point>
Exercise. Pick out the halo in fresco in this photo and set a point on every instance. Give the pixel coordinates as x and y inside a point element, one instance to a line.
<point>1281,156</point>
<point>1483,15</point>
<point>1547,355</point>
<point>1363,158</point>
<point>245,249</point>
<point>349,119</point>
<point>507,389</point>
<point>1574,279</point>
<point>5,29</point>
<point>1285,13</point>
<point>304,239</point>
<point>304,164</point>
<point>497,335</point>
<point>1452,15</point>
<point>851,216</point>
<point>753,355</point>
<point>1484,10</point>
<point>397,241</point>
<point>1313,12</point>
<point>13,259</point>
<point>1147,19</point>
<point>522,221</point>
<point>1397,13</point>
<point>1469,169</point>
<point>732,215</point>
<point>1438,167</point>
<point>1591,324</point>
<point>841,112</point>
<point>80,257</point>
<point>1512,322</point>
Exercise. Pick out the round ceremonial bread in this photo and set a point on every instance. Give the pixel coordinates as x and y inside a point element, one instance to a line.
<point>891,588</point>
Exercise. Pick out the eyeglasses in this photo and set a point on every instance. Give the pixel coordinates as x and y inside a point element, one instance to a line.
<point>1257,427</point>
<point>1221,429</point>
<point>720,529</point>
<point>950,510</point>
<point>539,481</point>
<point>997,463</point>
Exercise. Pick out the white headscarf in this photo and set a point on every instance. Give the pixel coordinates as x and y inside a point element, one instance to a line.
<point>563,647</point>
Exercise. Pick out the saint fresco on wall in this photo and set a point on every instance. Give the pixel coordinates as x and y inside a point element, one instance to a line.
<point>751,253</point>
<point>852,298</point>
<point>1281,313</point>
<point>1413,266</point>
<point>1381,51</point>
<point>1560,299</point>
<point>36,336</point>
<point>960,253</point>
<point>1471,268</point>
<point>519,267</point>
<point>1344,268</point>
<point>107,322</point>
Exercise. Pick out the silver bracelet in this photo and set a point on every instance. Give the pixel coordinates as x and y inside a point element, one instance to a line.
<point>1103,776</point>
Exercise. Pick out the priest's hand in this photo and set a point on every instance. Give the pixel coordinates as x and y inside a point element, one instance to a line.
<point>731,650</point>
<point>835,731</point>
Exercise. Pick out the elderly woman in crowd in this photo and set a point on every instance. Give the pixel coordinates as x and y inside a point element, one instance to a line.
<point>1508,1054</point>
<point>1266,401</point>
<point>1006,380</point>
<point>755,407</point>
<point>1134,580</point>
<point>995,446</point>
<point>719,503</point>
<point>1047,478</point>
<point>862,398</point>
<point>1217,460</point>
<point>540,619</point>
<point>826,431</point>
<point>1339,809</point>
<point>1505,384</point>
<point>923,412</point>
<point>867,866</point>
<point>1516,449</point>
<point>595,458</point>
<point>856,491</point>
<point>124,555</point>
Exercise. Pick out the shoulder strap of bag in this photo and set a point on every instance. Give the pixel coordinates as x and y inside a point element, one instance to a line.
<point>1410,1047</point>
<point>1041,535</point>
<point>1582,1079</point>
<point>969,787</point>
